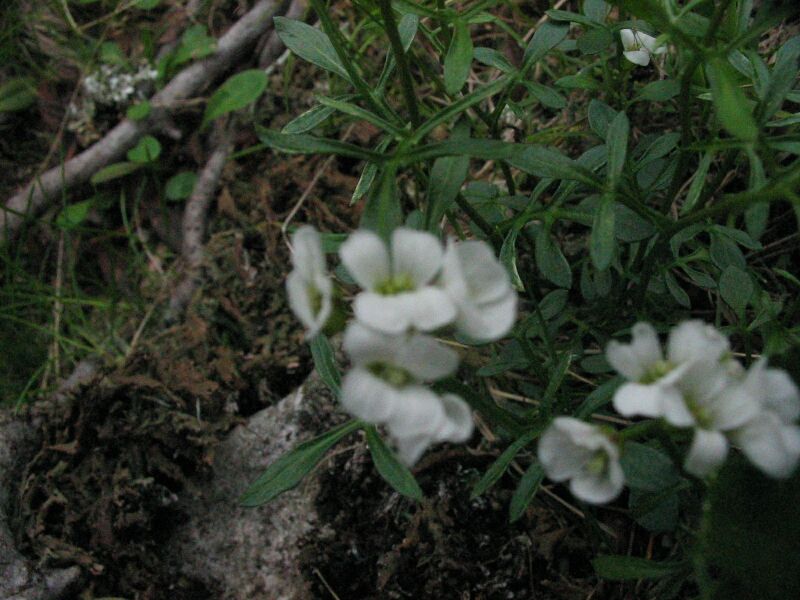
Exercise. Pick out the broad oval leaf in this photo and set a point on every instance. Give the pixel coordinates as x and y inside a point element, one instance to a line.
<point>145,151</point>
<point>180,186</point>
<point>237,92</point>
<point>309,43</point>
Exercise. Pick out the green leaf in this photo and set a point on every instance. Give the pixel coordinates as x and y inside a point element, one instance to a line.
<point>391,469</point>
<point>180,186</point>
<point>457,107</point>
<point>545,162</point>
<point>115,171</point>
<point>549,35</point>
<point>458,59</point>
<point>238,91</point>
<point>407,29</point>
<point>647,469</point>
<point>676,291</point>
<point>599,398</point>
<point>311,44</point>
<point>383,213</point>
<point>360,113</point>
<point>447,176</point>
<point>602,242</point>
<point>594,41</point>
<point>617,144</point>
<point>600,117</point>
<point>724,252</point>
<point>550,260</point>
<point>660,91</point>
<point>547,96</point>
<point>195,44</point>
<point>508,257</point>
<point>72,215</point>
<point>655,511</point>
<point>553,303</point>
<point>325,362</point>
<point>139,111</point>
<point>147,4</point>
<point>526,490</point>
<point>596,10</point>
<point>309,144</point>
<point>499,466</point>
<point>308,120</point>
<point>698,182</point>
<point>736,288</point>
<point>625,568</point>
<point>492,58</point>
<point>145,151</point>
<point>782,77</point>
<point>729,100</point>
<point>369,173</point>
<point>289,470</point>
<point>16,94</point>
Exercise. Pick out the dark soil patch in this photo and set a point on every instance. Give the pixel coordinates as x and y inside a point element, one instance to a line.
<point>374,544</point>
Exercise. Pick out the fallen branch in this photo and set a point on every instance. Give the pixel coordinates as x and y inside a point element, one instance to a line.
<point>194,220</point>
<point>230,47</point>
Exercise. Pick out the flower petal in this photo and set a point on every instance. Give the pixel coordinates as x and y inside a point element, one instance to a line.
<point>418,411</point>
<point>781,394</point>
<point>675,410</point>
<point>368,397</point>
<point>410,449</point>
<point>636,399</point>
<point>366,258</point>
<point>632,360</point>
<point>708,451</point>
<point>488,322</point>
<point>628,39</point>
<point>638,57</point>
<point>647,41</point>
<point>560,457</point>
<point>425,309</point>
<point>307,256</point>
<point>417,254</point>
<point>486,279</point>
<point>425,358</point>
<point>771,445</point>
<point>696,340</point>
<point>458,425</point>
<point>599,488</point>
<point>365,345</point>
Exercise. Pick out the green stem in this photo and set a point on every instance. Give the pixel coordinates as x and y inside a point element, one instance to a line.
<point>335,36</point>
<point>407,82</point>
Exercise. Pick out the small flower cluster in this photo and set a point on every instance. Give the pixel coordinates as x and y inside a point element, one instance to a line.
<point>696,384</point>
<point>112,84</point>
<point>411,287</point>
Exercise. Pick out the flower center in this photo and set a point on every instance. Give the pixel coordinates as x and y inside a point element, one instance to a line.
<point>314,299</point>
<point>700,413</point>
<point>598,464</point>
<point>401,282</point>
<point>656,371</point>
<point>394,376</point>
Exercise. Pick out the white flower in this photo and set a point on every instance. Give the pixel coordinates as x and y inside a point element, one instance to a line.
<point>638,46</point>
<point>652,377</point>
<point>481,290</point>
<point>398,295</point>
<point>308,286</point>
<point>771,439</point>
<point>573,450</point>
<point>384,388</point>
<point>712,403</point>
